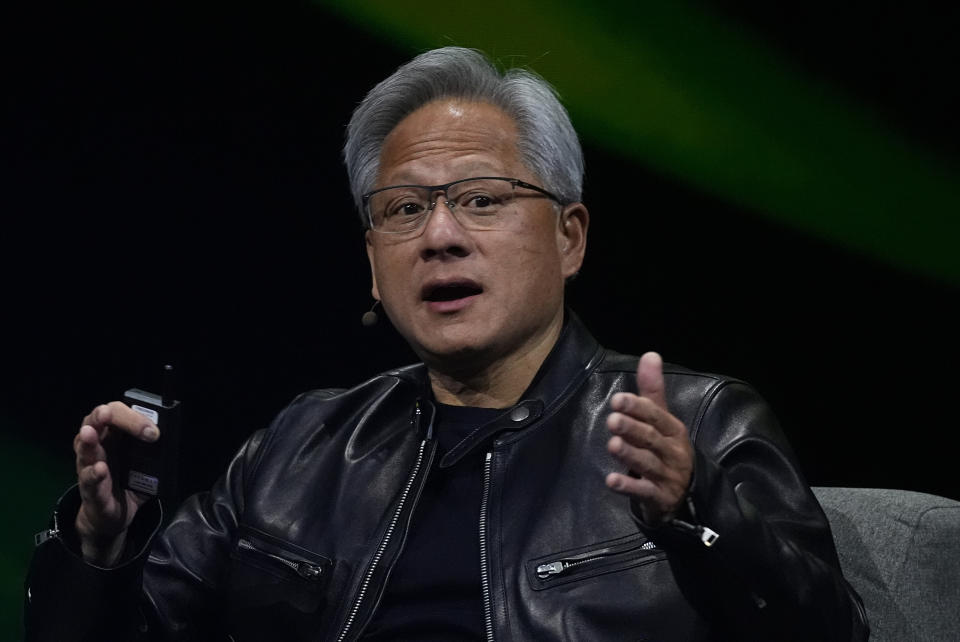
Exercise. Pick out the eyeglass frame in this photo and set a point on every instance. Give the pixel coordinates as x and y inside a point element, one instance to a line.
<point>516,182</point>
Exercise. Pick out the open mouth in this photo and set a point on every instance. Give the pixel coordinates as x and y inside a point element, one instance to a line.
<point>451,292</point>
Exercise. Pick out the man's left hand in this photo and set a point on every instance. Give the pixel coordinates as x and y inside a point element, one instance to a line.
<point>652,443</point>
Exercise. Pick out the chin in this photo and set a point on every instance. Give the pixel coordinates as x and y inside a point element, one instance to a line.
<point>449,351</point>
<point>450,355</point>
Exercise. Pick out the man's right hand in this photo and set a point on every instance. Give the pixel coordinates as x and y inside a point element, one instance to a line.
<point>106,509</point>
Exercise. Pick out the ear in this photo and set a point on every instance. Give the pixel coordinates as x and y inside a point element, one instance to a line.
<point>371,253</point>
<point>572,237</point>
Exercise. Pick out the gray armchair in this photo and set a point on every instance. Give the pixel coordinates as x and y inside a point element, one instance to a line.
<point>901,551</point>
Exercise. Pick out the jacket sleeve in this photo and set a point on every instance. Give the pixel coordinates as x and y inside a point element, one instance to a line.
<point>164,586</point>
<point>772,573</point>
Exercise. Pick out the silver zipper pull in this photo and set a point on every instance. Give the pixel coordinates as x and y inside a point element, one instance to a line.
<point>49,533</point>
<point>305,570</point>
<point>708,536</point>
<point>546,570</point>
<point>309,571</point>
<point>44,535</point>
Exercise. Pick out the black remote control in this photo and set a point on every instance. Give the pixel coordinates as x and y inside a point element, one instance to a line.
<point>151,468</point>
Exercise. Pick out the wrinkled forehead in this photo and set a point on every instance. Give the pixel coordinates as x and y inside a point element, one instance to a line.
<point>442,140</point>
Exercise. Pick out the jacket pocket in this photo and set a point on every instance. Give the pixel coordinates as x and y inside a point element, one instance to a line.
<point>282,559</point>
<point>589,561</point>
<point>269,571</point>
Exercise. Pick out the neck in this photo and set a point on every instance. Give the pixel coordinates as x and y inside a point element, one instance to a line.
<point>499,383</point>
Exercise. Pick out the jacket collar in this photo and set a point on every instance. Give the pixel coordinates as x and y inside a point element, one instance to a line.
<point>572,358</point>
<point>575,354</point>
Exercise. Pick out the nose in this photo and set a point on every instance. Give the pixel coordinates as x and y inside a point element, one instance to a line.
<point>443,235</point>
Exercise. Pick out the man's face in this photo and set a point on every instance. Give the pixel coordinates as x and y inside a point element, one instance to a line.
<point>465,298</point>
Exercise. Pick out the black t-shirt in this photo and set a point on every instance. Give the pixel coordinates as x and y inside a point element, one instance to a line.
<point>434,590</point>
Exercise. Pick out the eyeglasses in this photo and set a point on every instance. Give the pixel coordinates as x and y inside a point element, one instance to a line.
<point>480,203</point>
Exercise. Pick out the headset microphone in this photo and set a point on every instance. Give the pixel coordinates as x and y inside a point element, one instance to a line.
<point>370,318</point>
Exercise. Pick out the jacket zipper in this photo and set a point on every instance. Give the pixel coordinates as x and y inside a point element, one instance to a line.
<point>484,572</point>
<point>44,535</point>
<point>304,569</point>
<point>365,585</point>
<point>49,533</point>
<point>561,566</point>
<point>707,536</point>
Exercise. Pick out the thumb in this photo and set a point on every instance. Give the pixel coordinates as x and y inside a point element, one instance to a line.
<point>650,378</point>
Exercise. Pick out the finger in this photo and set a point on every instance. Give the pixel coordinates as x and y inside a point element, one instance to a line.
<point>650,378</point>
<point>645,410</point>
<point>673,452</point>
<point>638,433</point>
<point>639,487</point>
<point>639,408</point>
<point>95,486</point>
<point>89,477</point>
<point>100,509</point>
<point>88,448</point>
<point>639,461</point>
<point>98,418</point>
<point>655,504</point>
<point>120,416</point>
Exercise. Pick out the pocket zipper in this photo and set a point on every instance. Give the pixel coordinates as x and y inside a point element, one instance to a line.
<point>304,569</point>
<point>560,566</point>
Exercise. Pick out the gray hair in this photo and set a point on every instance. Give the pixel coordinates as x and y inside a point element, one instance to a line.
<point>546,140</point>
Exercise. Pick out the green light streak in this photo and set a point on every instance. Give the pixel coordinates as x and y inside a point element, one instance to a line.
<point>702,100</point>
<point>37,478</point>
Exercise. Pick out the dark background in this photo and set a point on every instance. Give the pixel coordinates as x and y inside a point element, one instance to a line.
<point>173,192</point>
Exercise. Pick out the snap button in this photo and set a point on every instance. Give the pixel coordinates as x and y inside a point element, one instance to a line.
<point>519,413</point>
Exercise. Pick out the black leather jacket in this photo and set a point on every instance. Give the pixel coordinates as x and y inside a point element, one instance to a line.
<point>297,539</point>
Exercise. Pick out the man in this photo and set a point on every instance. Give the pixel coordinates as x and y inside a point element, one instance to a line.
<point>521,483</point>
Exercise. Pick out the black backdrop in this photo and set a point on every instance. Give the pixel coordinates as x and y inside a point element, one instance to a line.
<point>173,192</point>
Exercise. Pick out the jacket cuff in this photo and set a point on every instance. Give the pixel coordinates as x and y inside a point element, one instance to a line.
<point>139,535</point>
<point>685,527</point>
<point>66,597</point>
